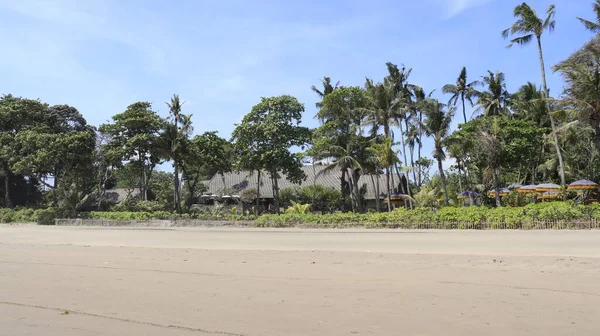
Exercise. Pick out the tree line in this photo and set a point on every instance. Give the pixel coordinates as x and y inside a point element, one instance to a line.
<point>50,156</point>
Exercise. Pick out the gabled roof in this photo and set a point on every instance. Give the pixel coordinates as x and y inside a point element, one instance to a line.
<point>240,181</point>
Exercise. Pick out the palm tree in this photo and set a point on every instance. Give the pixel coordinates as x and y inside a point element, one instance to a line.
<point>437,125</point>
<point>349,165</point>
<point>527,26</point>
<point>582,93</point>
<point>494,101</point>
<point>175,113</point>
<point>528,103</point>
<point>384,153</point>
<point>413,138</point>
<point>462,90</point>
<point>327,89</point>
<point>593,26</point>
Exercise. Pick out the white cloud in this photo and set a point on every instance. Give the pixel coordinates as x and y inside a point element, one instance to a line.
<point>455,7</point>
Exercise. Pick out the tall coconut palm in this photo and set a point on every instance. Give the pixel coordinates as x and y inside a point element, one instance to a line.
<point>175,106</point>
<point>494,100</point>
<point>528,26</point>
<point>437,126</point>
<point>462,90</point>
<point>382,111</point>
<point>590,25</point>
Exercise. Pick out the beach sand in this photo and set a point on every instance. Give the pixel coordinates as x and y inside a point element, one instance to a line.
<point>195,281</point>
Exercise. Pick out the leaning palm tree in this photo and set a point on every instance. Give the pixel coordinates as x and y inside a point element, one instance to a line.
<point>175,113</point>
<point>462,90</point>
<point>348,165</point>
<point>437,125</point>
<point>494,100</point>
<point>527,26</point>
<point>590,25</point>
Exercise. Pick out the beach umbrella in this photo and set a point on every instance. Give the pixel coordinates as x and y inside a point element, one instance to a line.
<point>501,192</point>
<point>527,189</point>
<point>547,187</point>
<point>583,185</point>
<point>514,186</point>
<point>549,195</point>
<point>467,194</point>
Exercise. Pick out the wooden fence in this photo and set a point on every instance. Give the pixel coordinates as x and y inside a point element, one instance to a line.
<point>529,225</point>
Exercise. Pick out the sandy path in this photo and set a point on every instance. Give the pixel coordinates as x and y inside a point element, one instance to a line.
<point>291,282</point>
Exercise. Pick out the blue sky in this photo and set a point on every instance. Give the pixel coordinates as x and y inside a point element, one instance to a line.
<point>222,56</point>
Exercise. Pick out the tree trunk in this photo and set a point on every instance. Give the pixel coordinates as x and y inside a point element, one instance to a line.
<point>561,165</point>
<point>257,193</point>
<point>343,187</point>
<point>419,149</point>
<point>412,165</point>
<point>376,192</point>
<point>443,178</point>
<point>597,137</point>
<point>496,187</point>
<point>387,178</point>
<point>462,96</point>
<point>459,175</point>
<point>274,182</point>
<point>177,194</point>
<point>7,200</point>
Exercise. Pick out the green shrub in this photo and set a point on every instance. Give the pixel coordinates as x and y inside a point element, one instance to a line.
<point>47,216</point>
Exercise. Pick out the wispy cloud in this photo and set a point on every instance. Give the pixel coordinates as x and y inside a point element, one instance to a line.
<point>455,7</point>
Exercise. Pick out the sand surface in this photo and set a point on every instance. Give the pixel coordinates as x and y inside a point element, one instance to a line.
<point>125,281</point>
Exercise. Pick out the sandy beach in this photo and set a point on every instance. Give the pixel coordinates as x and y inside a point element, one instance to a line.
<point>194,281</point>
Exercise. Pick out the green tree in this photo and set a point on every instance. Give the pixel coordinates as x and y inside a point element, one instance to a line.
<point>582,91</point>
<point>135,138</point>
<point>264,137</point>
<point>591,25</point>
<point>494,101</point>
<point>327,89</point>
<point>341,116</point>
<point>462,90</point>
<point>528,26</point>
<point>437,126</point>
<point>490,140</point>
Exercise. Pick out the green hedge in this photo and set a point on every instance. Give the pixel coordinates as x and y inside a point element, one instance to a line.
<point>511,217</point>
<point>40,216</point>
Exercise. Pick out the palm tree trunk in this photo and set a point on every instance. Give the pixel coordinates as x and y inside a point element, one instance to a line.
<point>420,145</point>
<point>462,96</point>
<point>257,193</point>
<point>412,163</point>
<point>176,196</point>
<point>459,176</point>
<point>387,178</point>
<point>561,165</point>
<point>496,187</point>
<point>443,178</point>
